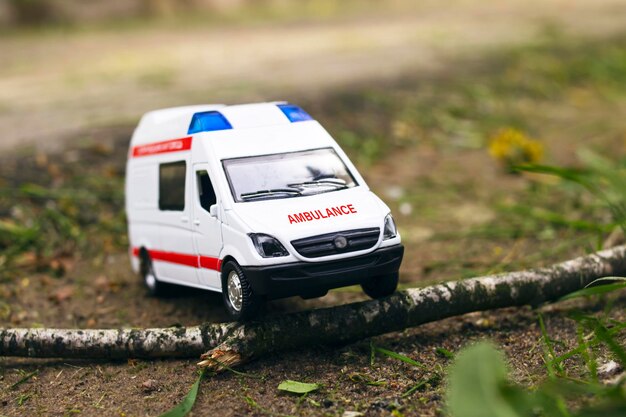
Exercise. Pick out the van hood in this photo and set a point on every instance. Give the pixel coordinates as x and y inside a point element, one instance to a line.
<point>298,217</point>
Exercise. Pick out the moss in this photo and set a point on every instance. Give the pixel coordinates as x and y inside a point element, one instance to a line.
<point>180,331</point>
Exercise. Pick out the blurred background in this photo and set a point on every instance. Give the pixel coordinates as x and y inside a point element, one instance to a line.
<point>68,65</point>
<point>437,103</point>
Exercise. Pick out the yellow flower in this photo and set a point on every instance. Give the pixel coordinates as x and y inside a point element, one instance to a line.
<point>512,147</point>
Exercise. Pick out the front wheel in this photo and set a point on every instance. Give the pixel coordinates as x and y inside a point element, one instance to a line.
<point>381,286</point>
<point>240,301</point>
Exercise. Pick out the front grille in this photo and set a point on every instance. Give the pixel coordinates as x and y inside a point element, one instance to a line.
<point>324,245</point>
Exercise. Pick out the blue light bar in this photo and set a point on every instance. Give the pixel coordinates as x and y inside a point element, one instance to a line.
<point>294,113</point>
<point>208,121</point>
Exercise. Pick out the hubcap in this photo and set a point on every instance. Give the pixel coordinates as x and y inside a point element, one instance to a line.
<point>150,280</point>
<point>235,295</point>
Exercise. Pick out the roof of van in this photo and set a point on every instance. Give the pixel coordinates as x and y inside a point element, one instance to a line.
<point>175,122</point>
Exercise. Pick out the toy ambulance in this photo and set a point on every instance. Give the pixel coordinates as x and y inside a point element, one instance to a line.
<point>255,201</point>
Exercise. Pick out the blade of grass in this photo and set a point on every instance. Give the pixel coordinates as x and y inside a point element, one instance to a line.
<point>363,378</point>
<point>575,175</point>
<point>605,336</point>
<point>419,385</point>
<point>548,349</point>
<point>444,352</point>
<point>587,354</point>
<point>24,379</point>
<point>594,342</point>
<point>187,403</point>
<point>597,290</point>
<point>400,357</point>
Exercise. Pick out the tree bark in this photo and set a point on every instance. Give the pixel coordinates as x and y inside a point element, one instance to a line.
<point>231,344</point>
<point>412,307</point>
<point>168,342</point>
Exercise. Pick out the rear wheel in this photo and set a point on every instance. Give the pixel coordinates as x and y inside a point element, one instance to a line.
<point>239,299</point>
<point>381,286</point>
<point>152,284</point>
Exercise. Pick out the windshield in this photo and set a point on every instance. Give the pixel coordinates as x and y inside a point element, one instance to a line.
<point>287,175</point>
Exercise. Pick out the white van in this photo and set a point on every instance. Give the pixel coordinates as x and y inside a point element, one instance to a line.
<point>256,201</point>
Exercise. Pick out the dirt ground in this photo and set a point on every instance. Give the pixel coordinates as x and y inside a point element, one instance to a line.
<point>452,202</point>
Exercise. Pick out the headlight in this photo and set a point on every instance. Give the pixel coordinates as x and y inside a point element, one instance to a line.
<point>390,230</point>
<point>268,246</point>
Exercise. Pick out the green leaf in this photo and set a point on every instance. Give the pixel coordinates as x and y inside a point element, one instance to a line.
<point>478,385</point>
<point>598,289</point>
<point>187,403</point>
<point>296,387</point>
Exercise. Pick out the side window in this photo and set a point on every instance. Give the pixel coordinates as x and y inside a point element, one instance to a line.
<point>206,193</point>
<point>172,186</point>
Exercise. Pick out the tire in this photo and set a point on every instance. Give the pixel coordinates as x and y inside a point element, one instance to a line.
<point>154,287</point>
<point>381,286</point>
<point>240,301</point>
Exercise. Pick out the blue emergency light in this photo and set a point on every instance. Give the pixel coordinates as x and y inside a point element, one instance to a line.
<point>208,121</point>
<point>294,113</point>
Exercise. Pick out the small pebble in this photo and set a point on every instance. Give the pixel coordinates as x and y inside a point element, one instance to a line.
<point>609,369</point>
<point>150,385</point>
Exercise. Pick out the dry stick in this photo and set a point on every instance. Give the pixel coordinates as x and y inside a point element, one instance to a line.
<point>232,344</point>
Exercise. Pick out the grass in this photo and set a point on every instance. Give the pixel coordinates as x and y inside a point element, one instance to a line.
<point>463,111</point>
<point>567,390</point>
<point>601,177</point>
<point>73,210</point>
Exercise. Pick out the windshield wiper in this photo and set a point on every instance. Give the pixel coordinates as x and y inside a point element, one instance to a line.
<point>339,183</point>
<point>286,192</point>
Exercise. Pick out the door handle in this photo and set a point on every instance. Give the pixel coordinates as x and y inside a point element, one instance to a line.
<point>184,219</point>
<point>196,222</point>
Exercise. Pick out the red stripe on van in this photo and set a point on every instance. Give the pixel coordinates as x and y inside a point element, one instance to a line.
<point>175,258</point>
<point>210,263</point>
<point>155,148</point>
<point>194,261</point>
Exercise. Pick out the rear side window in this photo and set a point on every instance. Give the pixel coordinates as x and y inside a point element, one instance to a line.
<point>172,186</point>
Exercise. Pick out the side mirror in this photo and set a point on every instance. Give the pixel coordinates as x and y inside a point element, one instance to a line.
<point>213,210</point>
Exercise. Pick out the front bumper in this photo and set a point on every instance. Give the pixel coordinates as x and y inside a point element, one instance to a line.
<point>314,279</point>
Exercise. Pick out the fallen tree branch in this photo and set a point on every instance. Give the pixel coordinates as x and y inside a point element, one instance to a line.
<point>168,342</point>
<point>231,344</point>
<point>412,307</point>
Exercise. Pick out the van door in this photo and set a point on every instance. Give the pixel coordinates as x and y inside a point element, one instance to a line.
<point>174,259</point>
<point>207,229</point>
